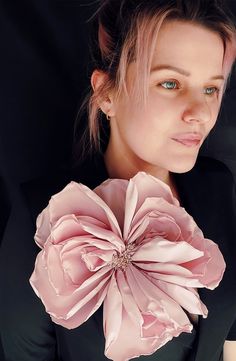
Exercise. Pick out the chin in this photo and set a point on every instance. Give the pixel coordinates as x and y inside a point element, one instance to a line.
<point>183,166</point>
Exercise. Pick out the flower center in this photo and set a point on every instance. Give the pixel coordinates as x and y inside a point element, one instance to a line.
<point>122,260</point>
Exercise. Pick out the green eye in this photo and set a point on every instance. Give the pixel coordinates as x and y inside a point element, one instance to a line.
<point>169,85</point>
<point>211,91</point>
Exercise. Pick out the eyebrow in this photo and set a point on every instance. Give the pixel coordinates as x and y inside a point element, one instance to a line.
<point>180,71</point>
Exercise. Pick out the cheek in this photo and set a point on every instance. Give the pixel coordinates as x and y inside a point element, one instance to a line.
<point>165,104</point>
<point>160,116</point>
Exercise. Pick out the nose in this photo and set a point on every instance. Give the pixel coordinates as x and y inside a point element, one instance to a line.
<point>197,109</point>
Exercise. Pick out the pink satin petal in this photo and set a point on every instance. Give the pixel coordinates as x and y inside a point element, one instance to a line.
<point>210,267</point>
<point>178,280</point>
<point>138,231</point>
<point>85,312</point>
<point>77,198</point>
<point>162,250</point>
<point>85,241</point>
<point>153,299</point>
<point>112,313</point>
<point>215,268</point>
<point>90,282</point>
<point>130,207</point>
<point>155,224</point>
<point>129,343</point>
<point>73,256</point>
<point>165,269</point>
<point>73,264</point>
<point>104,234</point>
<point>149,186</point>
<point>178,214</point>
<point>123,345</point>
<point>66,265</point>
<point>111,219</point>
<point>92,221</point>
<point>65,306</point>
<point>100,244</point>
<point>185,297</point>
<point>113,193</point>
<point>172,273</point>
<point>150,326</point>
<point>96,259</point>
<point>70,226</point>
<point>131,245</point>
<point>158,205</point>
<point>128,300</point>
<point>43,228</point>
<point>163,225</point>
<point>66,227</point>
<point>39,280</point>
<point>56,277</point>
<point>99,285</point>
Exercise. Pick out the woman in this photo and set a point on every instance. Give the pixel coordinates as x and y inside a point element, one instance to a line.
<point>160,69</point>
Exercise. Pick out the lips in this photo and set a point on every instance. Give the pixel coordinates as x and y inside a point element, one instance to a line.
<point>188,143</point>
<point>188,139</point>
<point>188,136</point>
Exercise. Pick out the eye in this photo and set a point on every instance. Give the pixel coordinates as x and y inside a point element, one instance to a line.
<point>170,84</point>
<point>212,90</point>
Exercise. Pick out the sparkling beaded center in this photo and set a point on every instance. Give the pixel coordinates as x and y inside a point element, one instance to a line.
<point>122,260</point>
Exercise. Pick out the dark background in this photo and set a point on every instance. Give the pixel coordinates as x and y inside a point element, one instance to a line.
<point>43,77</point>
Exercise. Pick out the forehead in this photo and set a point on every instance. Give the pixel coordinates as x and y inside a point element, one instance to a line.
<point>189,45</point>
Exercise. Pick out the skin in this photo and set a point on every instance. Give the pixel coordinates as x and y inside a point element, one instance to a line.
<point>141,136</point>
<point>229,350</point>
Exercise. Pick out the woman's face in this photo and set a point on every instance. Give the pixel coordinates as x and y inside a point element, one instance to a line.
<point>182,105</point>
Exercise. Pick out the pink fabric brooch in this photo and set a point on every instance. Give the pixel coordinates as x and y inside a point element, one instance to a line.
<point>130,246</point>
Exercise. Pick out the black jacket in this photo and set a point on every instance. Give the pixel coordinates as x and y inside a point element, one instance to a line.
<point>207,192</point>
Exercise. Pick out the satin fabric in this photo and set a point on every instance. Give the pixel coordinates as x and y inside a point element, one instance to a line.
<point>138,253</point>
<point>207,193</point>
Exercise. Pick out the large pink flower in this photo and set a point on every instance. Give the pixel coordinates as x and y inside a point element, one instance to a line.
<point>130,246</point>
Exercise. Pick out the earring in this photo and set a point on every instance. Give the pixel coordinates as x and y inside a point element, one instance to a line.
<point>108,117</point>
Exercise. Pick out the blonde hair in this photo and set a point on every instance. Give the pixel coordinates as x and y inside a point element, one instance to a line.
<point>127,31</point>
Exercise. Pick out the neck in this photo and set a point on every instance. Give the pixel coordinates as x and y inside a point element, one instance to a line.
<point>125,166</point>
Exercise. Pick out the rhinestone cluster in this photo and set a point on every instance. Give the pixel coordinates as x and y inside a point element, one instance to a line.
<point>122,260</point>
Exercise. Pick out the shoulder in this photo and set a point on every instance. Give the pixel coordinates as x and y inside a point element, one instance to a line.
<point>215,177</point>
<point>208,188</point>
<point>38,191</point>
<point>211,166</point>
<point>210,174</point>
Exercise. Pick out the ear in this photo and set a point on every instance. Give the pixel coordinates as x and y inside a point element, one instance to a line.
<point>106,104</point>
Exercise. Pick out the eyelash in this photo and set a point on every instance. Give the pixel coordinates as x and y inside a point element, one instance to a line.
<point>173,81</point>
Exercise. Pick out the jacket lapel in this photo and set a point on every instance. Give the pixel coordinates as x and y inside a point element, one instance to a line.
<point>206,194</point>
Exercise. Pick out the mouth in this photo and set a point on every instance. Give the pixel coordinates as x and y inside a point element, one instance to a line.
<point>188,139</point>
<point>188,142</point>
